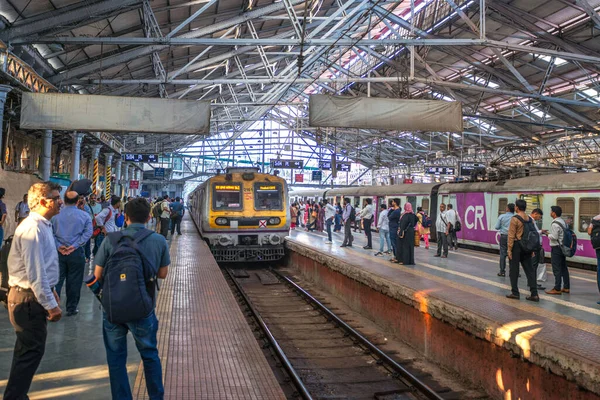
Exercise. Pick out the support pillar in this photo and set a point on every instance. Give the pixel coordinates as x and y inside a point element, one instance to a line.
<point>94,167</point>
<point>108,176</point>
<point>46,155</point>
<point>126,178</point>
<point>119,182</point>
<point>4,89</point>
<point>76,155</point>
<point>141,176</point>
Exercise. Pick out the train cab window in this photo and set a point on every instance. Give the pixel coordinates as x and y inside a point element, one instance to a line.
<point>425,205</point>
<point>227,196</point>
<point>568,210</point>
<point>588,209</point>
<point>502,204</point>
<point>268,196</point>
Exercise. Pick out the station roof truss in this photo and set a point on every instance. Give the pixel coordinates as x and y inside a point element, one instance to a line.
<point>527,72</point>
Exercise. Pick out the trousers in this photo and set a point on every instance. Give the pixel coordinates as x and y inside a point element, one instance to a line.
<point>176,222</point>
<point>503,253</point>
<point>164,226</point>
<point>524,259</point>
<point>559,268</point>
<point>72,269</point>
<point>28,318</point>
<point>348,238</point>
<point>442,244</point>
<point>367,225</point>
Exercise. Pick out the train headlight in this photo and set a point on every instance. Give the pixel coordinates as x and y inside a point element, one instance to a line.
<point>275,240</point>
<point>221,221</point>
<point>274,221</point>
<point>225,240</point>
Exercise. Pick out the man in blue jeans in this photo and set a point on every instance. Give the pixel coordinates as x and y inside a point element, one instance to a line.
<point>329,216</point>
<point>137,214</point>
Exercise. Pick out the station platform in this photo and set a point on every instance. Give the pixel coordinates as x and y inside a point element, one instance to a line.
<point>207,349</point>
<point>559,334</point>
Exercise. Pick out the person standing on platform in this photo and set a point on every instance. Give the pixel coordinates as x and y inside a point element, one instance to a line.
<point>347,217</point>
<point>367,218</point>
<point>357,218</point>
<point>105,220</point>
<point>21,210</point>
<point>3,215</point>
<point>321,217</point>
<point>294,215</point>
<point>338,218</point>
<point>177,212</point>
<point>424,231</point>
<point>442,227</point>
<point>301,214</point>
<point>562,283</point>
<point>165,214</point>
<point>394,219</point>
<point>594,231</point>
<point>156,251</point>
<point>329,216</point>
<point>538,261</point>
<point>502,226</point>
<point>452,218</point>
<point>519,255</point>
<point>405,249</point>
<point>33,273</point>
<point>383,226</point>
<point>72,229</point>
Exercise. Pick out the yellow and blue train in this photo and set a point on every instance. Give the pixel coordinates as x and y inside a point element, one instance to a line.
<point>242,214</point>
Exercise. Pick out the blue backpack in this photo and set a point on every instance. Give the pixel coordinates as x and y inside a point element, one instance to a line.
<point>426,221</point>
<point>569,242</point>
<point>120,220</point>
<point>129,281</point>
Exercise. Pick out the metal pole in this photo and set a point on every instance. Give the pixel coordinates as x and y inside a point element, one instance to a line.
<point>76,155</point>
<point>46,154</point>
<point>119,182</point>
<point>108,176</point>
<point>482,19</point>
<point>96,168</point>
<point>4,89</point>
<point>126,178</point>
<point>263,168</point>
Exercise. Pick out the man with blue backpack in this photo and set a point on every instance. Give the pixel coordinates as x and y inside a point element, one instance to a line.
<point>128,265</point>
<point>563,244</point>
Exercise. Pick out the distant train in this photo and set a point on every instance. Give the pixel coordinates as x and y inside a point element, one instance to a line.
<point>480,203</point>
<point>242,214</point>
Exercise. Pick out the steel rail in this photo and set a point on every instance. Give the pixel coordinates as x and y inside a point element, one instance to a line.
<point>278,350</point>
<point>413,380</point>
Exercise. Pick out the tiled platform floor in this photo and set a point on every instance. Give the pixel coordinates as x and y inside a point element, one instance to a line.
<point>207,349</point>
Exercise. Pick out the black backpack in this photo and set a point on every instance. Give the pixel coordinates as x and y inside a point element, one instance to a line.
<point>352,216</point>
<point>129,280</point>
<point>4,270</point>
<point>595,236</point>
<point>530,241</point>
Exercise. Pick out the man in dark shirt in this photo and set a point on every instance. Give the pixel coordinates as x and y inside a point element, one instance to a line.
<point>176,216</point>
<point>155,248</point>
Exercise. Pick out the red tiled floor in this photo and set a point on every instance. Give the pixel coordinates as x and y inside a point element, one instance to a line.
<point>207,349</point>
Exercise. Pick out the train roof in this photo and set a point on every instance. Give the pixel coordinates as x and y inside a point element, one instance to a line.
<point>557,182</point>
<point>391,190</point>
<point>307,192</point>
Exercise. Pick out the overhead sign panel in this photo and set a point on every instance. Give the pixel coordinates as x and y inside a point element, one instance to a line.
<point>385,114</point>
<point>62,111</point>
<point>341,166</point>
<point>133,157</point>
<point>466,168</point>
<point>291,164</point>
<point>438,170</point>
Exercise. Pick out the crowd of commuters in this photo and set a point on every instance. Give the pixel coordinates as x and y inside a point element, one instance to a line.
<point>401,230</point>
<point>51,248</point>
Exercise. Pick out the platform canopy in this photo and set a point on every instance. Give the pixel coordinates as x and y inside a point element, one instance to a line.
<point>526,73</point>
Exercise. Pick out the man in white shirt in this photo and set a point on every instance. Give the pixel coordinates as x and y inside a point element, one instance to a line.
<point>33,272</point>
<point>562,282</point>
<point>329,216</point>
<point>383,225</point>
<point>105,220</point>
<point>452,218</point>
<point>366,215</point>
<point>442,227</point>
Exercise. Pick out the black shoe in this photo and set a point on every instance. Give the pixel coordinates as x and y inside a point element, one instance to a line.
<point>437,255</point>
<point>344,245</point>
<point>540,287</point>
<point>533,298</point>
<point>502,274</point>
<point>368,248</point>
<point>513,296</point>
<point>71,313</point>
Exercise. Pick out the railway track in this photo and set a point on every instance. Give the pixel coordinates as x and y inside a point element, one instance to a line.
<point>323,356</point>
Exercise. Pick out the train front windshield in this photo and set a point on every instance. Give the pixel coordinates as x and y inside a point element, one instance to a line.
<point>268,196</point>
<point>227,196</point>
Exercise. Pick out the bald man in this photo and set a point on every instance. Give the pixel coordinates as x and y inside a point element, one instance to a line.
<point>72,229</point>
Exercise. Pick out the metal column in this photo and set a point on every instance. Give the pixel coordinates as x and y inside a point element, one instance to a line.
<point>108,177</point>
<point>46,154</point>
<point>125,168</point>
<point>4,89</point>
<point>119,182</point>
<point>76,155</point>
<point>95,168</point>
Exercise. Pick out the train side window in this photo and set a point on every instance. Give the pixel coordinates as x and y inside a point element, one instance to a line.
<point>588,209</point>
<point>227,196</point>
<point>568,209</point>
<point>502,204</point>
<point>425,205</point>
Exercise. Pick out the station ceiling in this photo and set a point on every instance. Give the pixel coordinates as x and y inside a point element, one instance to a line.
<point>526,71</point>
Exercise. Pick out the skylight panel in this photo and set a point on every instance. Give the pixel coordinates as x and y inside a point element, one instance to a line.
<point>592,94</point>
<point>557,61</point>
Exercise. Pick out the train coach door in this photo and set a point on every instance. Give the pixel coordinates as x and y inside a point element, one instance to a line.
<point>434,210</point>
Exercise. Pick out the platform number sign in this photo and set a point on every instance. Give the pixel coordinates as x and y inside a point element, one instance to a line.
<point>289,164</point>
<point>317,176</point>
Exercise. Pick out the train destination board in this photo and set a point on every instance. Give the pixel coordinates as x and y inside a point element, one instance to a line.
<point>439,170</point>
<point>467,167</point>
<point>140,157</point>
<point>291,164</point>
<point>341,166</point>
